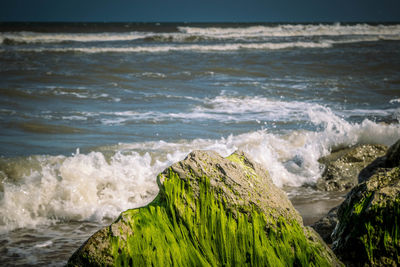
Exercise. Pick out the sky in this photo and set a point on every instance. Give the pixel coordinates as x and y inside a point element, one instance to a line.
<point>201,10</point>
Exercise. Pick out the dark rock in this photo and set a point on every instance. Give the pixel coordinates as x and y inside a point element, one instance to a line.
<point>325,226</point>
<point>342,167</point>
<point>368,231</point>
<point>209,211</point>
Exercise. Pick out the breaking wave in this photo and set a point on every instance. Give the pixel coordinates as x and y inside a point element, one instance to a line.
<point>196,34</point>
<point>39,190</point>
<point>290,30</point>
<point>182,47</point>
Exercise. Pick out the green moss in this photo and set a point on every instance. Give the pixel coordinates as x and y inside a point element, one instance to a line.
<point>241,160</point>
<point>184,230</point>
<point>379,234</point>
<point>362,204</point>
<point>236,158</point>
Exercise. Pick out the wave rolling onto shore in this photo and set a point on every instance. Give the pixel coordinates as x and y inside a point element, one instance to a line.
<point>90,114</point>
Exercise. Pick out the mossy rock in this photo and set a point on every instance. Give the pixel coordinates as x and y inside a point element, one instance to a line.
<point>343,166</point>
<point>210,211</point>
<point>368,232</point>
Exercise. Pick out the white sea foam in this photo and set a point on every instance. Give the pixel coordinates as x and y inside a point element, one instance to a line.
<point>93,187</point>
<point>289,30</point>
<point>80,187</point>
<point>181,47</point>
<point>78,95</point>
<point>34,37</point>
<point>193,34</point>
<point>230,108</point>
<point>153,75</point>
<point>257,107</point>
<point>74,118</point>
<point>371,112</point>
<point>220,47</point>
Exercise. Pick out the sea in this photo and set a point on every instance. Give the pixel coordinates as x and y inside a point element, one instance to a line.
<point>90,113</point>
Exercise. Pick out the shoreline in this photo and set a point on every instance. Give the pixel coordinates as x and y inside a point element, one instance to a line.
<point>314,204</point>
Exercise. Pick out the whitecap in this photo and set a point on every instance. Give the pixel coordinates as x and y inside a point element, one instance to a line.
<point>290,30</point>
<point>395,100</point>
<point>95,187</point>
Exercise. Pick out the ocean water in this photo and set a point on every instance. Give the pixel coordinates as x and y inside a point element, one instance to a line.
<point>91,113</point>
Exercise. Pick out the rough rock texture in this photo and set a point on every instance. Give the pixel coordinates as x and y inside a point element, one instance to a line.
<point>342,167</point>
<point>325,226</point>
<point>210,211</point>
<point>368,232</point>
<point>244,183</point>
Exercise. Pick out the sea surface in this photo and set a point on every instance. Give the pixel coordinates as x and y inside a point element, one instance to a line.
<point>91,113</point>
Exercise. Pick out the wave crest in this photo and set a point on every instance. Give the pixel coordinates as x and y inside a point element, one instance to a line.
<point>45,189</point>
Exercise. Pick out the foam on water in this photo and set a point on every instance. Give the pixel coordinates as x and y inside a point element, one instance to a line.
<point>396,100</point>
<point>231,108</point>
<point>45,189</point>
<point>221,108</point>
<point>256,106</point>
<point>195,34</point>
<point>79,187</point>
<point>34,37</point>
<point>223,47</point>
<point>290,30</point>
<point>181,47</point>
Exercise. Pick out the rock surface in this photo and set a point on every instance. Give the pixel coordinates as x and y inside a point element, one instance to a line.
<point>342,167</point>
<point>209,211</point>
<point>368,232</point>
<point>325,226</point>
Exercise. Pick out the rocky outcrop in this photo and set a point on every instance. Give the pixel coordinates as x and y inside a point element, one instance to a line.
<point>209,211</point>
<point>325,226</point>
<point>342,167</point>
<point>368,232</point>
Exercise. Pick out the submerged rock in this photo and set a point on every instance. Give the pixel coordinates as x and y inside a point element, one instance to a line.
<point>342,167</point>
<point>210,211</point>
<point>368,232</point>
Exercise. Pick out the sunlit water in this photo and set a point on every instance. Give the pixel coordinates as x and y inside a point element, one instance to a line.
<point>90,114</point>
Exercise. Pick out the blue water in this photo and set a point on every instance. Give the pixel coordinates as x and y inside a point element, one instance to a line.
<point>89,114</point>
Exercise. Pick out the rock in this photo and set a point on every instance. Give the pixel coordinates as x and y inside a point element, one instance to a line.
<point>368,232</point>
<point>325,226</point>
<point>342,167</point>
<point>342,173</point>
<point>209,211</point>
<point>390,160</point>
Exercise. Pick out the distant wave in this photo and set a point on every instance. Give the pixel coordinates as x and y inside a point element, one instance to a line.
<point>220,47</point>
<point>196,34</point>
<point>289,30</point>
<point>171,48</point>
<point>224,109</point>
<point>33,37</point>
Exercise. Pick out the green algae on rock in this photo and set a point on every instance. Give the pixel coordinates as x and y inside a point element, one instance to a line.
<point>343,166</point>
<point>210,211</point>
<point>368,232</point>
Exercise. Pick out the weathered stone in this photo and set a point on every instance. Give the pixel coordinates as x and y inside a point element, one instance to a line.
<point>325,226</point>
<point>247,185</point>
<point>342,167</point>
<point>368,232</point>
<point>210,211</point>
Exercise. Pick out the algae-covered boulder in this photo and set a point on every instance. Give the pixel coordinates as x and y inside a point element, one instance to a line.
<point>368,232</point>
<point>210,211</point>
<point>343,166</point>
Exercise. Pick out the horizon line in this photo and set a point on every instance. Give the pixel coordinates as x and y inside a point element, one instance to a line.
<point>205,22</point>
